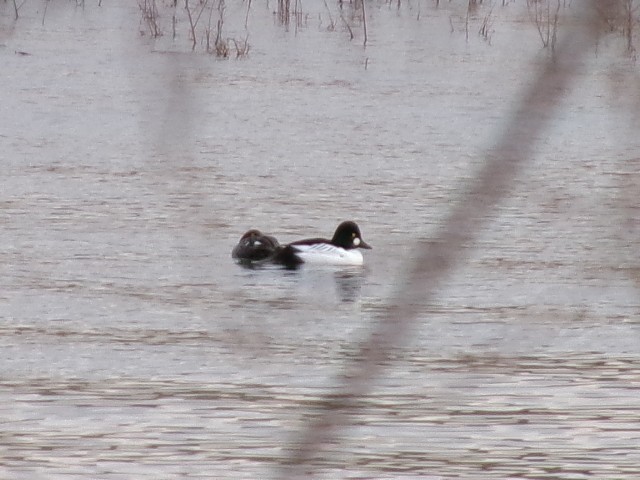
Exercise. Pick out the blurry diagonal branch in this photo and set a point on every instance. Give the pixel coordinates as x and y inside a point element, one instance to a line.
<point>438,257</point>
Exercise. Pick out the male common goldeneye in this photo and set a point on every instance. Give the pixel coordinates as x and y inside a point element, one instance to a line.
<point>254,246</point>
<point>342,249</point>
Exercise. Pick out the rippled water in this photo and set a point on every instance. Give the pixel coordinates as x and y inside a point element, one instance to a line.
<point>133,347</point>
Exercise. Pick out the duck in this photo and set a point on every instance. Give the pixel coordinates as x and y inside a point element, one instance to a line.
<point>255,247</point>
<point>342,249</point>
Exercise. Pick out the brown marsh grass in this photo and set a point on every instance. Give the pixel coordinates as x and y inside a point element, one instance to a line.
<point>545,16</point>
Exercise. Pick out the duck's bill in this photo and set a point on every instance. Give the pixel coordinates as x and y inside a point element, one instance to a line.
<point>364,244</point>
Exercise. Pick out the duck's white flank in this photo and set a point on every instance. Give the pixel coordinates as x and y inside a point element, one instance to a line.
<point>327,254</point>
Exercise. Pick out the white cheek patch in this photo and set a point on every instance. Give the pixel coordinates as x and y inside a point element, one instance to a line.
<point>356,242</point>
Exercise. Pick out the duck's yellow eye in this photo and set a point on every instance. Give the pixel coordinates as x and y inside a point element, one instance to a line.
<point>353,235</point>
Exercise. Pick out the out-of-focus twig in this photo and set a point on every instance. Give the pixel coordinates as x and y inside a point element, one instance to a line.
<point>438,257</point>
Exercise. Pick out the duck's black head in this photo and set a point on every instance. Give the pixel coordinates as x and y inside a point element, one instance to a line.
<point>254,246</point>
<point>348,236</point>
<point>251,235</point>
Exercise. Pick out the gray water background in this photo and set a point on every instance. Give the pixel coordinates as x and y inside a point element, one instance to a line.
<point>132,347</point>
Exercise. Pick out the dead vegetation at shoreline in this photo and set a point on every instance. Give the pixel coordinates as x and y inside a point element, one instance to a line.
<point>222,28</point>
<point>205,20</point>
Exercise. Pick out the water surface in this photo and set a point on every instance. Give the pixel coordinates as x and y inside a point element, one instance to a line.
<point>133,347</point>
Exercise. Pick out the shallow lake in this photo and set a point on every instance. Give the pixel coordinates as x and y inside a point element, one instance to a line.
<point>132,346</point>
